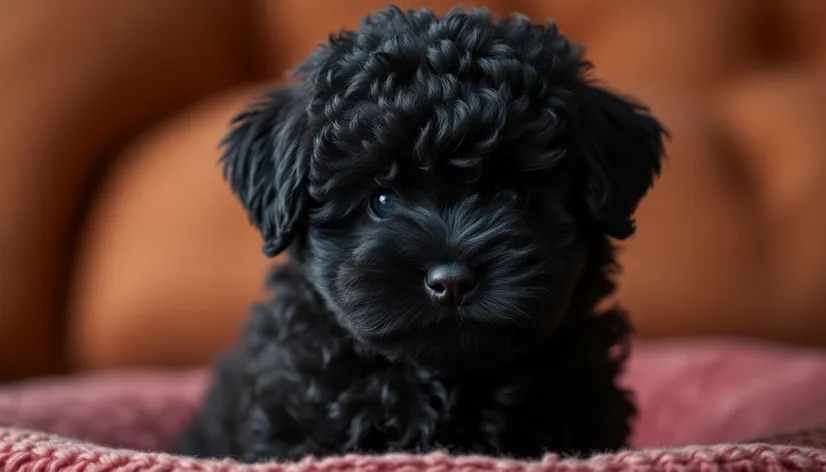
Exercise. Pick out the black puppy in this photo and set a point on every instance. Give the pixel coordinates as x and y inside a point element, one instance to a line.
<point>446,187</point>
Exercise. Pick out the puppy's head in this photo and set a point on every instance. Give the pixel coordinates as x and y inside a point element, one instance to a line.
<point>441,179</point>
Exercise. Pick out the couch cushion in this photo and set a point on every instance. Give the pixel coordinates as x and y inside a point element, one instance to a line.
<point>167,263</point>
<point>76,79</point>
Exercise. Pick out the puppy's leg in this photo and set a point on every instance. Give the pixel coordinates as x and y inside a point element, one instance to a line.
<point>209,432</point>
<point>598,411</point>
<point>269,396</point>
<point>612,407</point>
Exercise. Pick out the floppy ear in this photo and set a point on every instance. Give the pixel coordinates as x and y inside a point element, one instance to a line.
<point>622,150</point>
<point>265,161</point>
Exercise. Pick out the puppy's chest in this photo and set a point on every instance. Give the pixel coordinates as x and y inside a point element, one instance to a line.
<point>407,409</point>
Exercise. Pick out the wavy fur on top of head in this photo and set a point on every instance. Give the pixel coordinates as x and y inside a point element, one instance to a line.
<point>421,145</point>
<point>441,92</point>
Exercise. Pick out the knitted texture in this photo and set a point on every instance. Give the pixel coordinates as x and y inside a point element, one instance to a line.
<point>101,422</point>
<point>27,451</point>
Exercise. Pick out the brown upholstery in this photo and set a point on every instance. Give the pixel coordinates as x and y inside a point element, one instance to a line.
<point>122,246</point>
<point>77,80</point>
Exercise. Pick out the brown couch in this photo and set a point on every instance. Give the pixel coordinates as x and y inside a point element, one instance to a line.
<point>121,245</point>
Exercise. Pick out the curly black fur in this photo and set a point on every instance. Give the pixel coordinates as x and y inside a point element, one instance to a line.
<point>417,141</point>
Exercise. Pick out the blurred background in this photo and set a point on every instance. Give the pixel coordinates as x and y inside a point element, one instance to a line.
<point>120,245</point>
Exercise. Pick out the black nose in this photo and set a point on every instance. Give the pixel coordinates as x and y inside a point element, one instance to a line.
<point>450,284</point>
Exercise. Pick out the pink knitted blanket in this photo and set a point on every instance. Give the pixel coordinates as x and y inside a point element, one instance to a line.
<point>702,404</point>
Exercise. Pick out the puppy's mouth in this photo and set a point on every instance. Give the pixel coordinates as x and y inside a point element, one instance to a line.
<point>454,342</point>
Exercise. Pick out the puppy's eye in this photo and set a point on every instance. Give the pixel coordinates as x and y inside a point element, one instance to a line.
<point>513,197</point>
<point>382,203</point>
